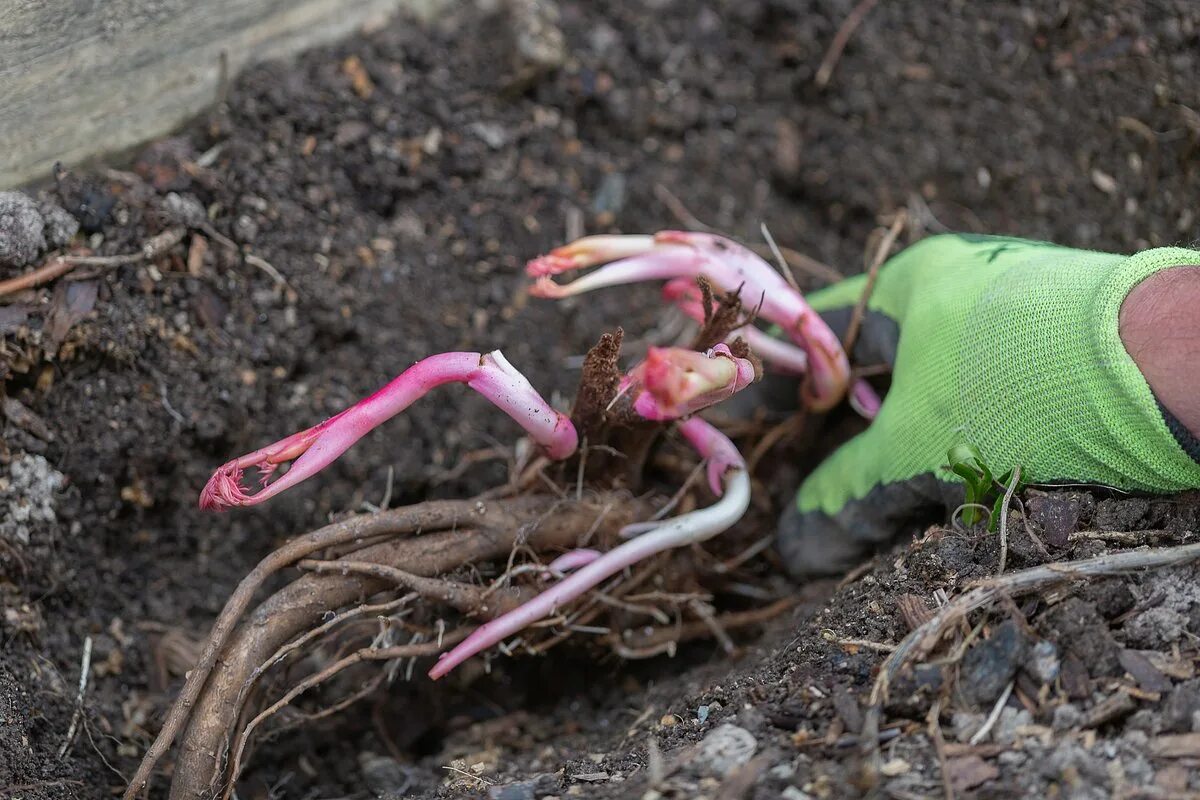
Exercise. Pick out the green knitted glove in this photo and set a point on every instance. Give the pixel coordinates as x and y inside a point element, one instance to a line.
<point>1005,344</point>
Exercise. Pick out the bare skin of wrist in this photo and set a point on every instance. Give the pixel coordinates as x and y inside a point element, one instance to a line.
<point>1160,327</point>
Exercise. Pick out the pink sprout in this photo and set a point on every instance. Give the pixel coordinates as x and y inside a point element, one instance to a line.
<point>675,254</point>
<point>673,382</point>
<point>787,358</point>
<point>314,449</point>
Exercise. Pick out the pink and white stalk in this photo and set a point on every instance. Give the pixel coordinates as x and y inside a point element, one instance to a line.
<point>670,384</point>
<point>314,449</point>
<point>725,466</point>
<point>676,254</point>
<point>685,294</point>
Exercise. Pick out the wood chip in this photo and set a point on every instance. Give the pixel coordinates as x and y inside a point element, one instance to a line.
<point>19,414</point>
<point>196,253</point>
<point>591,777</point>
<point>1075,679</point>
<point>359,79</point>
<point>1148,676</point>
<point>1174,666</point>
<point>914,610</point>
<point>1176,745</point>
<point>1112,707</point>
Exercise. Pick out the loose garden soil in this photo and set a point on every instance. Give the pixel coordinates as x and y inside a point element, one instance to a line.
<point>374,202</point>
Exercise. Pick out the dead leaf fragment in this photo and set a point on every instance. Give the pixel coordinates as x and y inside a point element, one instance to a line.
<point>967,772</point>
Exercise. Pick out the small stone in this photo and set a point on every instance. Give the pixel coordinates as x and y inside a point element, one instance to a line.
<point>385,776</point>
<point>792,793</point>
<point>183,209</point>
<point>1104,182</point>
<point>245,229</point>
<point>1066,717</point>
<point>22,229</point>
<point>964,725</point>
<point>610,196</point>
<point>61,227</point>
<point>491,133</point>
<point>989,666</point>
<point>513,791</point>
<point>726,748</point>
<point>1044,664</point>
<point>349,132</point>
<point>1010,720</point>
<point>539,42</point>
<point>1058,515</point>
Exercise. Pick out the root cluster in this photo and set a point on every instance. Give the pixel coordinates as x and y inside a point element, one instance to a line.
<point>403,572</point>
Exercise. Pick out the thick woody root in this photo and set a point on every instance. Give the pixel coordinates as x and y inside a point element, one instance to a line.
<point>452,534</point>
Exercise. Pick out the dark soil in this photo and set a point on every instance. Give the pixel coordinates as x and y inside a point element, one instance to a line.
<point>397,182</point>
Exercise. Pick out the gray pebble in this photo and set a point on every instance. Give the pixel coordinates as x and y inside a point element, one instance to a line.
<point>22,229</point>
<point>726,748</point>
<point>60,226</point>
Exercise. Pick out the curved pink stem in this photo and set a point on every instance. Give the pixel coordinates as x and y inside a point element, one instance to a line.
<point>675,254</point>
<point>588,252</point>
<point>314,449</point>
<point>696,526</point>
<point>864,399</point>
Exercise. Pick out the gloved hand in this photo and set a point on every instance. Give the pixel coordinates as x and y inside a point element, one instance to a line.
<point>1005,344</point>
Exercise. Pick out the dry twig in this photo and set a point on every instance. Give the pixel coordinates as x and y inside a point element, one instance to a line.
<point>85,667</point>
<point>840,40</point>
<point>61,265</point>
<point>881,254</point>
<point>1008,495</point>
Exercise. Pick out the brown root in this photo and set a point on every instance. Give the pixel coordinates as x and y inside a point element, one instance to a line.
<point>465,597</point>
<point>365,654</point>
<point>214,694</point>
<point>433,515</point>
<point>661,641</point>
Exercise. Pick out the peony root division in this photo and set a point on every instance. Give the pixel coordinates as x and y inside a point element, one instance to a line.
<point>558,564</point>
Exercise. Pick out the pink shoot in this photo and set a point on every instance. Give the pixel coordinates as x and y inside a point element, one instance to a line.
<point>673,382</point>
<point>697,526</point>
<point>864,399</point>
<point>570,561</point>
<point>588,252</point>
<point>675,254</point>
<point>786,358</point>
<point>314,449</point>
